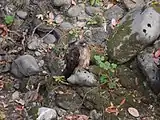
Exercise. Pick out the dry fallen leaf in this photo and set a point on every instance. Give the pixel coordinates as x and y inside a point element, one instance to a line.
<point>122,102</point>
<point>112,109</point>
<point>1,84</point>
<point>76,117</point>
<point>157,53</point>
<point>134,112</point>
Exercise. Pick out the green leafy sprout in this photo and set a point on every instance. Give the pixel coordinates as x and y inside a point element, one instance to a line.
<point>9,19</point>
<point>74,33</point>
<point>95,2</point>
<point>110,68</point>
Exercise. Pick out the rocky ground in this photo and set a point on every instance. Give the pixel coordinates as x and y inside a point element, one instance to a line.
<point>79,59</point>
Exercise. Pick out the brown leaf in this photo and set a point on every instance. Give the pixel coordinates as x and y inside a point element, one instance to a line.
<point>76,117</point>
<point>3,30</point>
<point>134,112</point>
<point>122,102</point>
<point>1,84</point>
<point>112,109</point>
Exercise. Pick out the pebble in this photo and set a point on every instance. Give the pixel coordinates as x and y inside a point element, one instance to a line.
<point>49,39</point>
<point>74,11</point>
<point>92,10</point>
<point>61,2</point>
<point>66,26</point>
<point>82,78</point>
<point>22,14</point>
<point>25,65</point>
<point>37,53</point>
<point>34,43</point>
<point>41,63</point>
<point>45,113</point>
<point>58,19</point>
<point>115,12</point>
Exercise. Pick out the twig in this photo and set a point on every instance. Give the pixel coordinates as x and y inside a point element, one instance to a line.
<point>48,33</point>
<point>85,97</point>
<point>36,28</point>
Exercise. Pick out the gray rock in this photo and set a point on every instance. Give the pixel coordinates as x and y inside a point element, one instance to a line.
<point>45,113</point>
<point>25,65</point>
<point>150,69</point>
<point>94,115</point>
<point>69,101</point>
<point>66,25</point>
<point>131,5</point>
<point>37,53</point>
<point>82,78</point>
<point>83,16</point>
<point>22,14</point>
<point>49,39</point>
<point>114,12</point>
<point>74,11</point>
<point>99,35</point>
<point>136,30</point>
<point>59,19</point>
<point>34,43</point>
<point>61,2</point>
<point>92,10</point>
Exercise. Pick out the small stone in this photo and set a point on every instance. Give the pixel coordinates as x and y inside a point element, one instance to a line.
<point>41,63</point>
<point>82,78</point>
<point>15,95</point>
<point>114,12</point>
<point>92,10</point>
<point>66,26</point>
<point>37,53</point>
<point>61,2</point>
<point>74,11</point>
<point>25,65</point>
<point>45,113</point>
<point>59,19</point>
<point>49,39</point>
<point>22,14</point>
<point>34,43</point>
<point>131,5</point>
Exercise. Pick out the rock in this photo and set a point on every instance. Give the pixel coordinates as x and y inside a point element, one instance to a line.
<point>136,30</point>
<point>74,11</point>
<point>22,14</point>
<point>15,95</point>
<point>94,100</point>
<point>37,53</point>
<point>83,16</point>
<point>92,10</point>
<point>127,77</point>
<point>25,65</point>
<point>94,115</point>
<point>82,78</point>
<point>66,25</point>
<point>61,2</point>
<point>34,43</point>
<point>58,19</point>
<point>45,113</point>
<point>70,101</point>
<point>131,5</point>
<point>41,63</point>
<point>49,39</point>
<point>150,70</point>
<point>99,36</point>
<point>114,12</point>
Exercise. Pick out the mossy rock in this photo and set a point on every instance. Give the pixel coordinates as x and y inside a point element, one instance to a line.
<point>139,28</point>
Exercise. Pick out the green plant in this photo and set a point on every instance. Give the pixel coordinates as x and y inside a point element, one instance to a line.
<point>59,79</point>
<point>9,19</point>
<point>110,69</point>
<point>95,2</point>
<point>74,33</point>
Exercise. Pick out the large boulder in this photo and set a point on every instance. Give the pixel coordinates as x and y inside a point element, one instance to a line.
<point>148,66</point>
<point>139,28</point>
<point>25,65</point>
